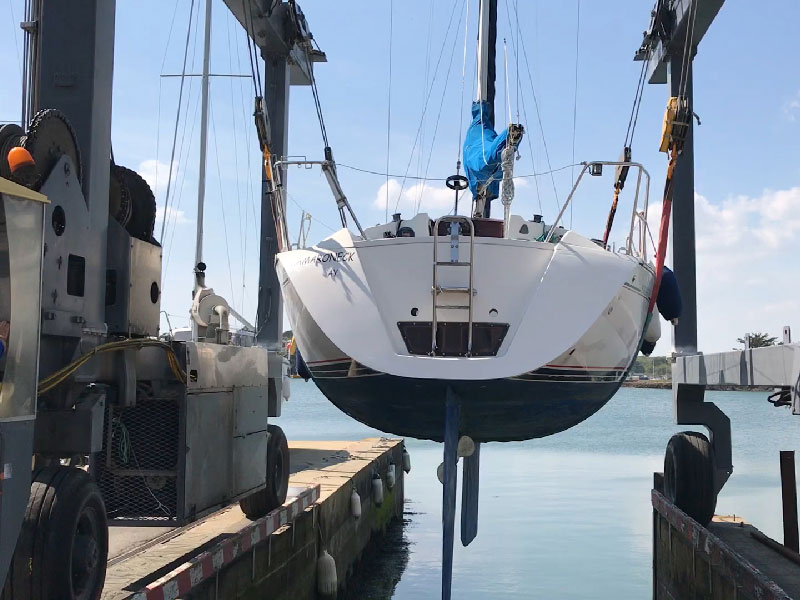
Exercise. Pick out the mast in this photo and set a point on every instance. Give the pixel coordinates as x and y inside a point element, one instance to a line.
<point>487,43</point>
<point>201,182</point>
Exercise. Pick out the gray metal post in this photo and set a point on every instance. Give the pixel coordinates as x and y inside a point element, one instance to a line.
<point>683,231</point>
<point>201,180</point>
<point>269,322</point>
<point>76,66</point>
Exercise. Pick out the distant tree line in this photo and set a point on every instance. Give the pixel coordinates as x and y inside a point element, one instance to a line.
<point>757,340</point>
<point>654,367</point>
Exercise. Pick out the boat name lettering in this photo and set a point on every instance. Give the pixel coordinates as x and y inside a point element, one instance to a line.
<point>340,256</point>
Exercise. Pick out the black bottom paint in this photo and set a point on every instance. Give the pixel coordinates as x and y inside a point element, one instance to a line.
<point>495,410</point>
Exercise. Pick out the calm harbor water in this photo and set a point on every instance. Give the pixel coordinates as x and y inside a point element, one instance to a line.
<point>562,517</point>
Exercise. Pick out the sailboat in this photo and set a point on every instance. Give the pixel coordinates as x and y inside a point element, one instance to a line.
<point>531,326</point>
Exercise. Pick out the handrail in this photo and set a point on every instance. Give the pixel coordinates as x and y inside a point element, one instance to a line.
<point>586,165</point>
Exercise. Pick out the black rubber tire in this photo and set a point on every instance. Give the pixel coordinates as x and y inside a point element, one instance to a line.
<point>689,475</point>
<point>120,205</point>
<point>10,135</point>
<point>62,549</point>
<point>142,220</point>
<point>273,495</point>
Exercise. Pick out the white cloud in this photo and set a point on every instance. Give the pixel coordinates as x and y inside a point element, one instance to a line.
<point>792,107</point>
<point>174,217</point>
<point>746,249</point>
<point>430,198</point>
<point>155,173</point>
<point>435,198</point>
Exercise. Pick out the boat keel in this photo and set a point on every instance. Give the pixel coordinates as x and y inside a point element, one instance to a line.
<point>452,417</point>
<point>469,496</point>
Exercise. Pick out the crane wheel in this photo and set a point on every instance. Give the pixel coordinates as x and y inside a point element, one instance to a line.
<point>63,546</point>
<point>689,475</point>
<point>273,495</point>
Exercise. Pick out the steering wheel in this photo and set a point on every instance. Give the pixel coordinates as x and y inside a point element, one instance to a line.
<point>457,182</point>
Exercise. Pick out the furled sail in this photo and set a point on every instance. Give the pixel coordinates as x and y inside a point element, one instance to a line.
<point>483,147</point>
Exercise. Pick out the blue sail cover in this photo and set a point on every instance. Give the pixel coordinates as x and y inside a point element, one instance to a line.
<point>482,149</point>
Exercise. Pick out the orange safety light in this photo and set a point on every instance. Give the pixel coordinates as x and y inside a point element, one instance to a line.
<point>19,157</point>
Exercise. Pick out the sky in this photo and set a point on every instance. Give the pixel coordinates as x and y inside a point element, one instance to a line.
<point>747,153</point>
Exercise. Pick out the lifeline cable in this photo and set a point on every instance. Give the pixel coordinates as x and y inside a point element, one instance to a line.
<point>382,174</point>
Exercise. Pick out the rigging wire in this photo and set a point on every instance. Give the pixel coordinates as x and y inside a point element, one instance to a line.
<point>463,109</point>
<point>389,106</point>
<point>236,155</point>
<point>169,35</point>
<point>427,99</point>
<point>246,110</point>
<point>521,98</point>
<point>176,211</point>
<point>249,163</point>
<point>252,48</point>
<point>313,218</point>
<point>183,158</point>
<point>317,103</point>
<point>163,64</point>
<point>516,54</point>
<point>637,101</point>
<point>515,49</point>
<point>686,60</point>
<point>16,44</point>
<point>508,95</point>
<point>441,105</point>
<point>539,119</point>
<point>423,89</point>
<point>177,120</point>
<point>575,98</point>
<point>27,52</point>
<point>221,196</point>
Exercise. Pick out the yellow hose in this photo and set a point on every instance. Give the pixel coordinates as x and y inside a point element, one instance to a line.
<point>55,379</point>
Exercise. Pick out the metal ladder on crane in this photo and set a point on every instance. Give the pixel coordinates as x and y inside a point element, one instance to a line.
<point>437,289</point>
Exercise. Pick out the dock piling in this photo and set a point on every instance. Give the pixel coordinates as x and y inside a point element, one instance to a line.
<point>789,496</point>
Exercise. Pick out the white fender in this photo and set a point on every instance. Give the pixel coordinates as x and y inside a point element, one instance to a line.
<point>653,332</point>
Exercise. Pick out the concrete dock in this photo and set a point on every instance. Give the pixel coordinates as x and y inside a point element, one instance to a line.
<point>227,556</point>
<point>724,561</point>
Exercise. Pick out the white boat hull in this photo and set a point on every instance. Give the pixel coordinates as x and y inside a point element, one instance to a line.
<point>564,324</point>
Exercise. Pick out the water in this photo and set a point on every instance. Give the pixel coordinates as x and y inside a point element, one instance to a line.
<point>562,517</point>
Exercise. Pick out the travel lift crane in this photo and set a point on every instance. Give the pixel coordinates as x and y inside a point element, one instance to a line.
<point>695,467</point>
<point>172,429</point>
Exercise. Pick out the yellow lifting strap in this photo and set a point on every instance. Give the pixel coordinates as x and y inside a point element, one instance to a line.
<point>611,214</point>
<point>267,163</point>
<point>676,124</point>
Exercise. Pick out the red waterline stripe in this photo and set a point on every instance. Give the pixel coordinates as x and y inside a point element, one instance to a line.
<point>573,367</point>
<point>581,368</point>
<point>330,360</point>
